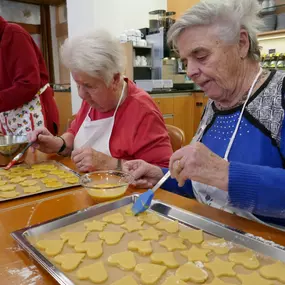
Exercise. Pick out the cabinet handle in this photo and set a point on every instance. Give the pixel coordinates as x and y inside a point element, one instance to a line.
<point>199,104</point>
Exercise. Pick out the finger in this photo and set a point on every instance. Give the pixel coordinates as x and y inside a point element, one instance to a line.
<point>78,157</point>
<point>76,152</point>
<point>142,183</point>
<point>175,169</point>
<point>139,172</point>
<point>33,136</point>
<point>175,156</point>
<point>182,177</point>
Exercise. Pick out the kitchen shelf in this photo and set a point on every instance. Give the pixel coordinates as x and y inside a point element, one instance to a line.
<point>265,10</point>
<point>269,33</point>
<point>138,47</point>
<point>140,66</point>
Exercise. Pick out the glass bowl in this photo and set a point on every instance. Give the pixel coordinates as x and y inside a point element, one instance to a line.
<point>106,185</point>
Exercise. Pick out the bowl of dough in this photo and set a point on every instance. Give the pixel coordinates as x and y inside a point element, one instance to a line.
<point>10,146</point>
<point>106,185</point>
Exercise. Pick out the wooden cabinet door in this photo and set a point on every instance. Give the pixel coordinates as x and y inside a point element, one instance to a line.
<point>168,119</point>
<point>165,104</point>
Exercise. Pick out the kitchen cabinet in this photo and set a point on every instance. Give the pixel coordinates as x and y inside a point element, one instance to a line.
<point>180,6</point>
<point>200,101</point>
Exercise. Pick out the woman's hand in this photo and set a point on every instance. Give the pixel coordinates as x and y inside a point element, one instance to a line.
<point>44,141</point>
<point>146,175</point>
<point>198,163</point>
<point>88,160</point>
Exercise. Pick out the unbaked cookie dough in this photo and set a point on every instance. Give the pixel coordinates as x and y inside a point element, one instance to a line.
<point>116,219</point>
<point>8,187</point>
<point>150,273</point>
<point>191,272</point>
<point>193,236</point>
<point>142,247</point>
<point>253,279</point>
<point>165,258</point>
<point>169,226</point>
<point>93,249</point>
<point>127,280</point>
<point>221,268</point>
<point>128,210</point>
<point>74,238</point>
<point>274,271</point>
<point>172,243</point>
<point>54,184</point>
<point>95,226</point>
<point>17,179</point>
<point>173,280</point>
<point>246,258</point>
<point>51,247</point>
<point>69,261</point>
<point>72,180</point>
<point>132,226</point>
<point>32,189</point>
<point>219,246</point>
<point>95,272</point>
<point>150,234</point>
<point>2,183</point>
<point>10,194</point>
<point>28,183</point>
<point>196,254</point>
<point>39,175</point>
<point>124,260</point>
<point>111,238</point>
<point>218,281</point>
<point>149,218</point>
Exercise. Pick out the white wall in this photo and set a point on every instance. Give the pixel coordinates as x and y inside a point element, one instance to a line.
<point>112,15</point>
<point>276,42</point>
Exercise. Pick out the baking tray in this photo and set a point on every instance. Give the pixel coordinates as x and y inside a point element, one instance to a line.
<point>44,189</point>
<point>186,218</point>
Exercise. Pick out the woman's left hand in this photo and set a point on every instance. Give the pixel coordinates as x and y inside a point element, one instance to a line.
<point>88,160</point>
<point>198,163</point>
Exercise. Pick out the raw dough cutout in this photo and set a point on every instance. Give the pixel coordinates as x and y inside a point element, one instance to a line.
<point>150,273</point>
<point>196,254</point>
<point>247,258</point>
<point>32,189</point>
<point>127,280</point>
<point>171,227</point>
<point>96,226</point>
<point>128,210</point>
<point>219,246</point>
<point>74,238</point>
<point>95,272</point>
<point>165,258</point>
<point>51,247</point>
<point>124,260</point>
<point>253,278</point>
<point>17,179</point>
<point>132,226</point>
<point>93,249</point>
<point>111,238</point>
<point>116,219</point>
<point>48,180</point>
<point>72,180</point>
<point>221,268</point>
<point>143,247</point>
<point>39,175</point>
<point>28,183</point>
<point>150,234</point>
<point>69,261</point>
<point>10,194</point>
<point>191,272</point>
<point>149,218</point>
<point>2,183</point>
<point>8,187</point>
<point>194,236</point>
<point>173,280</point>
<point>218,281</point>
<point>172,243</point>
<point>55,184</point>
<point>274,271</point>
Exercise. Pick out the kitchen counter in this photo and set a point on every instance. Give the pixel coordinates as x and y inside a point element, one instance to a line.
<point>171,91</point>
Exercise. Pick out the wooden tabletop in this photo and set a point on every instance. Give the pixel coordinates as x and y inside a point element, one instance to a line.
<point>18,268</point>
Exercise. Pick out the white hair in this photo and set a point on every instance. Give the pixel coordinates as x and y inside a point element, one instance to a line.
<point>229,16</point>
<point>97,53</point>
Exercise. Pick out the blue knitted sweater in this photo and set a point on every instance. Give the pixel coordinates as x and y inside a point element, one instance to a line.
<point>256,172</point>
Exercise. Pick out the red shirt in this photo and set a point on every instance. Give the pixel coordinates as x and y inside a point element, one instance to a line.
<point>23,73</point>
<point>139,131</point>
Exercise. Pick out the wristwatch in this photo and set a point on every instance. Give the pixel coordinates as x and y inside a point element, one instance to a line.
<point>63,147</point>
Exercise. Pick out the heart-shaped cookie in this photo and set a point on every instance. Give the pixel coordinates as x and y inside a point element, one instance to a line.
<point>166,258</point>
<point>150,234</point>
<point>51,247</point>
<point>143,247</point>
<point>95,272</point>
<point>116,219</point>
<point>111,238</point>
<point>150,273</point>
<point>191,272</point>
<point>194,236</point>
<point>219,246</point>
<point>169,226</point>
<point>132,226</point>
<point>221,268</point>
<point>127,280</point>
<point>74,238</point>
<point>274,271</point>
<point>69,261</point>
<point>172,243</point>
<point>246,258</point>
<point>196,254</point>
<point>173,280</point>
<point>253,278</point>
<point>95,226</point>
<point>93,249</point>
<point>149,218</point>
<point>124,260</point>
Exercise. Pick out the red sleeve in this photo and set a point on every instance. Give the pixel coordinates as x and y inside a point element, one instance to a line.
<point>151,141</point>
<point>22,67</point>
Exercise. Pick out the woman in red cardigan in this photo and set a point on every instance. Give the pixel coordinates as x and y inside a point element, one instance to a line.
<point>26,99</point>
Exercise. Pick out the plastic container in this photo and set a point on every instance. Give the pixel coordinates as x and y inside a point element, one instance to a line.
<point>156,20</point>
<point>169,19</point>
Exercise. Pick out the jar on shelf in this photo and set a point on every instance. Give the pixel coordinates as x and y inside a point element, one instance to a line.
<point>156,20</point>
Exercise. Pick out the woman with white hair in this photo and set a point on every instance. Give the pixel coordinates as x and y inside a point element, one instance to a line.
<point>117,121</point>
<point>235,161</point>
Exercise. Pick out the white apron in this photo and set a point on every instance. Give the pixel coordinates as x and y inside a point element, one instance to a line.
<point>24,119</point>
<point>213,196</point>
<point>97,134</point>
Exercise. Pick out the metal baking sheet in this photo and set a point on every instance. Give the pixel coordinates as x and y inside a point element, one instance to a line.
<point>186,218</point>
<point>45,190</point>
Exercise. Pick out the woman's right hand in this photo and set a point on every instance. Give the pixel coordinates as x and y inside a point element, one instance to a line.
<point>146,175</point>
<point>44,141</point>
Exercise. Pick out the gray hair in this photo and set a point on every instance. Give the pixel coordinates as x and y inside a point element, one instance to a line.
<point>229,16</point>
<point>97,53</point>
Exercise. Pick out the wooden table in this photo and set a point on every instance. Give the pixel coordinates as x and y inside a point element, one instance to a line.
<point>17,268</point>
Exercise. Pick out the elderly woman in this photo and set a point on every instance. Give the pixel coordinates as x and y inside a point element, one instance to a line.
<point>117,121</point>
<point>235,162</point>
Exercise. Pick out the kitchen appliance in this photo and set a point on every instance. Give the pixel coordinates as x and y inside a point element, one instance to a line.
<point>156,20</point>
